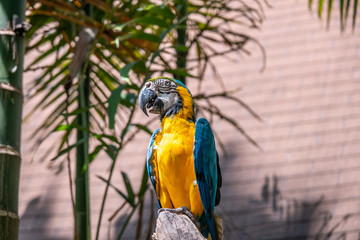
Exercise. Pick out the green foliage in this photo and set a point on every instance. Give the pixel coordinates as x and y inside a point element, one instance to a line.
<point>116,98</point>
<point>134,40</point>
<point>344,11</point>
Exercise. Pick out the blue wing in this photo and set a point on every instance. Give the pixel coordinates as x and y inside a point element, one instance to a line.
<point>152,165</point>
<point>207,172</point>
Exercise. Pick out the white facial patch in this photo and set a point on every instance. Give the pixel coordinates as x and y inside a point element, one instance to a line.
<point>169,99</point>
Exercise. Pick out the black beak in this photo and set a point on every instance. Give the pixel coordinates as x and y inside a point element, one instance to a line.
<point>146,99</point>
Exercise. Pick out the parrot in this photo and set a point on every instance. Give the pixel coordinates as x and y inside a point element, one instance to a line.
<point>182,161</point>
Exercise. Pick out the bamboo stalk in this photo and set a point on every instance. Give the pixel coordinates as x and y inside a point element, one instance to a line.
<point>11,100</point>
<point>82,195</point>
<point>82,201</point>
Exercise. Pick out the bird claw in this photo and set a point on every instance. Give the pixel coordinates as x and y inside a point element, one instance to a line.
<point>181,210</point>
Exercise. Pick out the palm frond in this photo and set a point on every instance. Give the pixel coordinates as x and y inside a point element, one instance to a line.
<point>344,8</point>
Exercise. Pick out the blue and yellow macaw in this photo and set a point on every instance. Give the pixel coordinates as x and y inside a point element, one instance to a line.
<point>182,161</point>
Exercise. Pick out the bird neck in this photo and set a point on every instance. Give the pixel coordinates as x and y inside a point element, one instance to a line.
<point>186,113</point>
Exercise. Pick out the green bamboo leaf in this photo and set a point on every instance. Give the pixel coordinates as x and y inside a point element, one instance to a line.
<point>142,127</point>
<point>93,154</point>
<point>175,25</point>
<point>116,189</point>
<point>79,127</point>
<point>62,128</point>
<point>112,59</point>
<point>125,130</point>
<point>140,67</point>
<point>156,54</point>
<point>153,20</point>
<point>66,135</point>
<point>111,151</point>
<point>68,149</point>
<point>181,48</point>
<point>77,111</point>
<point>124,71</point>
<point>342,15</point>
<point>114,101</point>
<point>138,35</point>
<point>354,14</point>
<point>347,10</point>
<point>110,137</point>
<point>320,8</point>
<point>198,50</point>
<point>162,10</point>
<point>129,188</point>
<point>128,99</point>
<point>329,13</point>
<point>107,78</point>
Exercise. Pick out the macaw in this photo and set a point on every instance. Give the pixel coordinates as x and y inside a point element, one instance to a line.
<point>182,160</point>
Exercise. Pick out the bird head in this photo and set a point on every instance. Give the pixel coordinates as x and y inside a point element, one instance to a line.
<point>166,96</point>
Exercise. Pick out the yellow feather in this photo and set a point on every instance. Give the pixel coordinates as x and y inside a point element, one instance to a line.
<point>174,160</point>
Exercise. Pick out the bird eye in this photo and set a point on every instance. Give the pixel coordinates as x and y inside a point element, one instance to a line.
<point>167,83</point>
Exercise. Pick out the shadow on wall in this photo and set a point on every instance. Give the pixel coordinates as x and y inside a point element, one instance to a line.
<point>256,208</point>
<point>274,216</point>
<point>134,229</point>
<point>33,222</point>
<point>302,219</point>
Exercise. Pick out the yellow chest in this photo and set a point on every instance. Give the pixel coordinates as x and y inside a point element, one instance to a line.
<point>177,139</point>
<point>175,149</point>
<point>176,166</point>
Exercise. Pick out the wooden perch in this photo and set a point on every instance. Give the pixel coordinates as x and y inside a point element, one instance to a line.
<point>176,227</point>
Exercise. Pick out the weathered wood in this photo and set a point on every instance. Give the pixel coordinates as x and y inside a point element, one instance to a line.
<point>176,227</point>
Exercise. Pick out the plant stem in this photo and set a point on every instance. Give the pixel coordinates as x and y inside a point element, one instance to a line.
<point>104,199</point>
<point>82,202</point>
<point>182,7</point>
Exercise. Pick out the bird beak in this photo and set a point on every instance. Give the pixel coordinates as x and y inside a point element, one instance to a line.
<point>146,99</point>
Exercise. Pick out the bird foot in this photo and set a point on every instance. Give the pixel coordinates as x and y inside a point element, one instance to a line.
<point>181,210</point>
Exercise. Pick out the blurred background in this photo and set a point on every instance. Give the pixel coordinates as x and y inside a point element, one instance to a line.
<point>301,81</point>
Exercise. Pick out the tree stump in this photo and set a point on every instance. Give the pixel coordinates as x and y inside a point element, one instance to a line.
<point>176,227</point>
